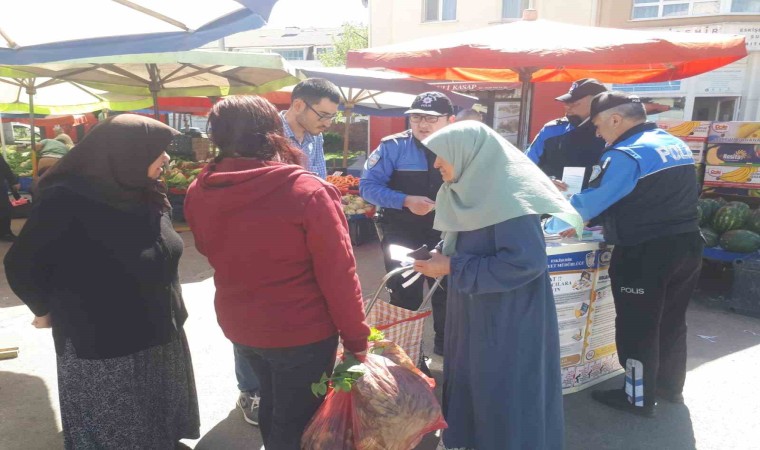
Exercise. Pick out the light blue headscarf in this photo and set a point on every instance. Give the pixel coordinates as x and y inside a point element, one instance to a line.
<point>494,182</point>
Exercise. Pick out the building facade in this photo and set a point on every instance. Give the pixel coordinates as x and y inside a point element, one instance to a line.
<point>293,43</point>
<point>729,93</point>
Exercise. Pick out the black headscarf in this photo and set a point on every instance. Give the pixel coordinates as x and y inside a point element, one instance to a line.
<point>111,163</point>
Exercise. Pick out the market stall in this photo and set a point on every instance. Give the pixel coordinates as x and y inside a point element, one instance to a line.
<point>585,312</point>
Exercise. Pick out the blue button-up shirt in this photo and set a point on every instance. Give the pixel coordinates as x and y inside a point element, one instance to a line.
<point>312,146</point>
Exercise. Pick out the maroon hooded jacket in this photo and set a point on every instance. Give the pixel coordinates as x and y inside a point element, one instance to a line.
<point>278,241</point>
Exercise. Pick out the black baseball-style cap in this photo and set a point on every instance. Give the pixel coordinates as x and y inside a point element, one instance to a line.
<point>608,100</point>
<point>431,104</point>
<point>582,88</point>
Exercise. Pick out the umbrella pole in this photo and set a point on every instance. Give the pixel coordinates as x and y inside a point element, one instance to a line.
<point>31,91</point>
<point>2,137</point>
<point>526,102</point>
<point>348,110</point>
<point>156,114</point>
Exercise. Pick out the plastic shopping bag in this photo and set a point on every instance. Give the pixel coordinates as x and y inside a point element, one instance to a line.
<point>392,351</point>
<point>392,407</point>
<point>331,427</point>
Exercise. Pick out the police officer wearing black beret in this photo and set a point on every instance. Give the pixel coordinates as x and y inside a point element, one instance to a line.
<point>644,191</point>
<point>570,141</point>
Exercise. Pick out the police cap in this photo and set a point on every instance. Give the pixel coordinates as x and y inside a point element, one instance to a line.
<point>582,88</point>
<point>609,100</point>
<point>431,104</point>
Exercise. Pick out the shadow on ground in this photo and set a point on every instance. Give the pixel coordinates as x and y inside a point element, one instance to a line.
<point>25,411</point>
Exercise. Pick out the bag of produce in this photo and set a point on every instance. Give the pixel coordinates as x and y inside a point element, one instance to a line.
<point>384,403</point>
<point>393,407</point>
<point>395,353</point>
<point>331,426</point>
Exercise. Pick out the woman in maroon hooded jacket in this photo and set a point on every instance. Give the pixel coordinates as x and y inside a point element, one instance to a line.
<point>285,273</point>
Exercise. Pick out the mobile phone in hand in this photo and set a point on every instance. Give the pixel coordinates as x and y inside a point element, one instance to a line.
<point>421,254</point>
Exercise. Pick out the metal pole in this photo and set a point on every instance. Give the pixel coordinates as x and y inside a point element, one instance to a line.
<point>154,94</point>
<point>526,101</point>
<point>348,110</point>
<point>2,137</point>
<point>31,91</point>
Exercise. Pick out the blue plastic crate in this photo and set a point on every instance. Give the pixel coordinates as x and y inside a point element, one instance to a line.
<point>26,183</point>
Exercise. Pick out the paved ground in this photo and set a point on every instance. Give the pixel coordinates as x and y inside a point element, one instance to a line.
<point>722,395</point>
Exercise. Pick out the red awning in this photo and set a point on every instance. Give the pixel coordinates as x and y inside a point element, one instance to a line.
<point>554,51</point>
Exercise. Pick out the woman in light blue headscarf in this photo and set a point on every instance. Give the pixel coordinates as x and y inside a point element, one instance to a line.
<point>502,387</point>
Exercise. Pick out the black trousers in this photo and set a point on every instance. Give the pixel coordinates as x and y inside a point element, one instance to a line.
<point>285,374</point>
<point>6,210</point>
<point>652,284</point>
<point>410,297</point>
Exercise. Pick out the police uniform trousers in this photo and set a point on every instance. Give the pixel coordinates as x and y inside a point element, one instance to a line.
<point>410,297</point>
<point>652,284</point>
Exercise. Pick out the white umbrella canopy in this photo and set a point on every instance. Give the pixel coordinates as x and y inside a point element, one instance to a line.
<point>174,74</point>
<point>35,31</point>
<point>57,98</point>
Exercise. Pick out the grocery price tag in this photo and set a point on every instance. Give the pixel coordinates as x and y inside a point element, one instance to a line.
<point>338,173</point>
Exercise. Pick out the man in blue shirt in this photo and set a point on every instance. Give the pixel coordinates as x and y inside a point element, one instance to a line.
<point>313,107</point>
<point>570,141</point>
<point>400,179</point>
<point>644,191</point>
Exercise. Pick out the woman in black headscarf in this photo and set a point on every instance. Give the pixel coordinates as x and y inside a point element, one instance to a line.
<point>97,261</point>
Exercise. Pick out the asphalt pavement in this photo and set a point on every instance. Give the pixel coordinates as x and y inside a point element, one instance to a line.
<point>722,410</point>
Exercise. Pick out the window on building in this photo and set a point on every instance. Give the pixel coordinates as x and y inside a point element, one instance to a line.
<point>290,54</point>
<point>438,10</point>
<point>651,9</point>
<point>512,9</point>
<point>321,50</point>
<point>745,6</point>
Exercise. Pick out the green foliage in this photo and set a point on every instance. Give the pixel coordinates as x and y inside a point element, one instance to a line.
<point>19,161</point>
<point>375,335</point>
<point>344,376</point>
<point>351,37</point>
<point>333,142</point>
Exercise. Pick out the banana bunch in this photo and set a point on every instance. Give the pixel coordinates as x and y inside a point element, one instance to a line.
<point>741,175</point>
<point>749,131</point>
<point>683,128</point>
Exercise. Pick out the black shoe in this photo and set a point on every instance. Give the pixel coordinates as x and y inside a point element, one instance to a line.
<point>617,399</point>
<point>438,349</point>
<point>670,396</point>
<point>10,237</point>
<point>249,404</point>
<point>422,365</point>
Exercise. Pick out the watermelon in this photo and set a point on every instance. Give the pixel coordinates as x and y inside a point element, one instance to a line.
<point>721,200</point>
<point>741,205</point>
<point>740,241</point>
<point>707,208</point>
<point>729,217</point>
<point>711,237</point>
<point>753,221</point>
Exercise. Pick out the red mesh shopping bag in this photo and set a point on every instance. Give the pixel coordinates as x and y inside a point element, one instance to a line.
<point>402,326</point>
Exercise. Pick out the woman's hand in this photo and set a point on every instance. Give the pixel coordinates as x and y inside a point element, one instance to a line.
<point>435,267</point>
<point>42,321</point>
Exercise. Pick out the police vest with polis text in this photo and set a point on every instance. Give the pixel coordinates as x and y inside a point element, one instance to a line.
<point>664,201</point>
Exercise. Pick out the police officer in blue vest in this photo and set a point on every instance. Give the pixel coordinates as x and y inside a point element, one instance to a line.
<point>570,141</point>
<point>644,190</point>
<point>400,179</point>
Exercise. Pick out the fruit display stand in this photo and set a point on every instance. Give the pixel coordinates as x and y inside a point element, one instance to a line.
<point>358,212</point>
<point>585,312</point>
<point>732,250</point>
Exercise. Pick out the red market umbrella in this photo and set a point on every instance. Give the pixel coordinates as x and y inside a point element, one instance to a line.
<point>540,50</point>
